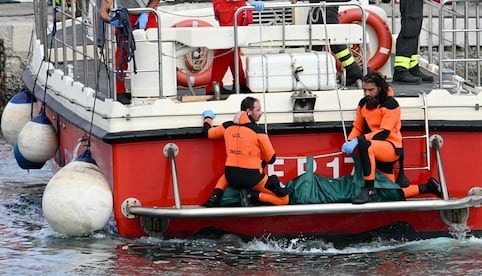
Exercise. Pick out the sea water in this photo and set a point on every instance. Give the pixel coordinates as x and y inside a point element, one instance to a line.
<point>28,246</point>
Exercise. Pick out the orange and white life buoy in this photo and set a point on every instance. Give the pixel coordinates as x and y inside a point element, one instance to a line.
<point>381,29</point>
<point>197,77</point>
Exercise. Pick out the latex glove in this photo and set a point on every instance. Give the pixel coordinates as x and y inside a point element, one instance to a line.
<point>114,21</point>
<point>349,146</point>
<point>142,20</point>
<point>208,113</point>
<point>258,5</point>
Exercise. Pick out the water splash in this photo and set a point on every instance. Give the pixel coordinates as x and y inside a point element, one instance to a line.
<point>459,231</point>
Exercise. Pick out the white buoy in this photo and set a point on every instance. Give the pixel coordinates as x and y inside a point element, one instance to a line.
<point>78,200</point>
<point>17,113</point>
<point>37,142</point>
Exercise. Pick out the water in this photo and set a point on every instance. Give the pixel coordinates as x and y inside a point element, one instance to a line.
<point>29,247</point>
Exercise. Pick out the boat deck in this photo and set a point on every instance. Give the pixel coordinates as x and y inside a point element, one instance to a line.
<point>85,70</point>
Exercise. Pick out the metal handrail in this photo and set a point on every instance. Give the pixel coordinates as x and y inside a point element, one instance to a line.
<point>436,145</point>
<point>171,150</point>
<point>308,209</point>
<point>298,5</point>
<point>465,31</point>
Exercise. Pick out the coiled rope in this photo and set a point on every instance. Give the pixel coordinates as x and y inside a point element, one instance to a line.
<point>125,41</point>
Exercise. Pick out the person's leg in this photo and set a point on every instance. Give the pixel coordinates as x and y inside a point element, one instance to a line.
<point>242,74</point>
<point>370,153</point>
<point>215,198</point>
<point>222,59</point>
<point>431,187</point>
<point>342,53</point>
<point>414,69</point>
<point>121,63</point>
<point>411,14</point>
<point>268,196</point>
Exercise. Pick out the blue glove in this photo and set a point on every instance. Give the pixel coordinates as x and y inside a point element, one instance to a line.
<point>115,22</point>
<point>208,113</point>
<point>349,146</point>
<point>142,20</point>
<point>258,5</point>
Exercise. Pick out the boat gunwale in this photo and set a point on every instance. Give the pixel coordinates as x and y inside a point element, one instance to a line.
<point>308,209</point>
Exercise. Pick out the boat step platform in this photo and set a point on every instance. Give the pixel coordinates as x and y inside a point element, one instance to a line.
<point>305,209</point>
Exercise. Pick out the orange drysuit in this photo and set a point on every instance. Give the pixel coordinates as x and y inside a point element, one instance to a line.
<point>378,131</point>
<point>247,145</point>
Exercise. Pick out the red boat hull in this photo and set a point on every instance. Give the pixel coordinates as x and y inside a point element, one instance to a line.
<point>140,170</point>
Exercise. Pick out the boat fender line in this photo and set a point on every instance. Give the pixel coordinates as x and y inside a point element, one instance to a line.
<point>381,29</point>
<point>196,76</point>
<point>78,199</point>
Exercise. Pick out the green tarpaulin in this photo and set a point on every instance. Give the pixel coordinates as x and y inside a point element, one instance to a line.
<point>310,188</point>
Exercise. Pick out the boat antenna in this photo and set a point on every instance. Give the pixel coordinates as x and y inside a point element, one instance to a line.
<point>323,14</point>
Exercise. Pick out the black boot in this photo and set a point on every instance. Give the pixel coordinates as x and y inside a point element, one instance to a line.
<point>273,184</point>
<point>244,89</point>
<point>248,197</point>
<point>432,187</point>
<point>215,199</point>
<point>353,73</point>
<point>225,91</point>
<point>415,71</point>
<point>124,98</point>
<point>402,75</point>
<point>367,194</point>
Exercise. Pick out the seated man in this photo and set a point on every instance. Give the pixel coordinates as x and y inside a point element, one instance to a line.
<point>243,168</point>
<point>376,134</point>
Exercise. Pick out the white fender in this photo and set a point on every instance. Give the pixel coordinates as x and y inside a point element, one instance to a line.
<point>77,200</point>
<point>37,142</point>
<point>17,113</point>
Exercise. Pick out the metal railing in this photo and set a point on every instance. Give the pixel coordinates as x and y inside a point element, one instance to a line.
<point>454,20</point>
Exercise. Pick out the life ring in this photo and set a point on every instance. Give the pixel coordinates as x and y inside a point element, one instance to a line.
<point>381,29</point>
<point>198,76</point>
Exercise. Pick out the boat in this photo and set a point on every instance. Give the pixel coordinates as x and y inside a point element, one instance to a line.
<point>161,169</point>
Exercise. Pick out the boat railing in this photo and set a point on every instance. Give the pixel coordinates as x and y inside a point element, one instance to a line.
<point>466,31</point>
<point>425,136</point>
<point>114,71</point>
<point>281,36</point>
<point>436,142</point>
<point>459,30</point>
<point>170,151</point>
<point>325,39</point>
<point>68,40</point>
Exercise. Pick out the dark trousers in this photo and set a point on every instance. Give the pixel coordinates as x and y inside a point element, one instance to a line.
<point>411,12</point>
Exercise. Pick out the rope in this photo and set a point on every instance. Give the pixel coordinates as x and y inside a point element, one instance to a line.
<point>88,139</point>
<point>314,157</point>
<point>323,14</point>
<point>125,41</point>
